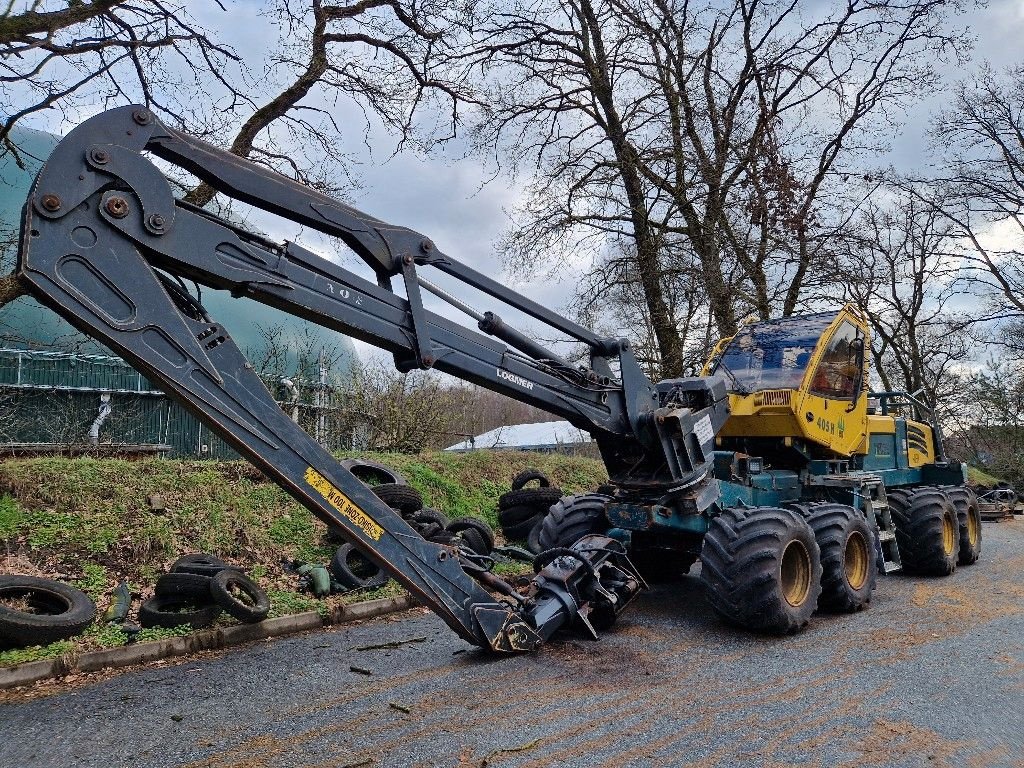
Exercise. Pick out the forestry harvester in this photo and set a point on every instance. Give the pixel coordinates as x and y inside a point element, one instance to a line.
<point>785,487</point>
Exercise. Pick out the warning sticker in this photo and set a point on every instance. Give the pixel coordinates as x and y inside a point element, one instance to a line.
<point>704,431</point>
<point>343,504</point>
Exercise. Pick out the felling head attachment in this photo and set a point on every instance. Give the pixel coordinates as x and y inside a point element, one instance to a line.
<point>591,581</point>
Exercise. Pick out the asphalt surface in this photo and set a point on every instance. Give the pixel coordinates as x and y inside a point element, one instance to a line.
<point>932,674</point>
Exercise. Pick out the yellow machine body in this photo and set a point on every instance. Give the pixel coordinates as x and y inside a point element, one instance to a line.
<point>805,379</point>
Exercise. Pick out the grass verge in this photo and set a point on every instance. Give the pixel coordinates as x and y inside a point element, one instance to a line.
<point>90,522</point>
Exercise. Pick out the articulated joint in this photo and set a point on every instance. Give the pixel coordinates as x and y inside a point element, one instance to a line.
<point>610,347</point>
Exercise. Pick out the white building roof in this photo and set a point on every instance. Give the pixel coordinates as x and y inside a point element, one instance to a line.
<point>545,433</point>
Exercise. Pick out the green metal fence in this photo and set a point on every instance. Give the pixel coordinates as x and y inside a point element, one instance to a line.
<point>58,399</point>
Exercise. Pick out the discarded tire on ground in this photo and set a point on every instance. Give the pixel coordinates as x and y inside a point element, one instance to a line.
<point>461,524</point>
<point>521,530</point>
<point>428,515</point>
<point>169,611</point>
<point>572,518</point>
<point>530,497</point>
<point>517,515</point>
<point>968,521</point>
<point>434,532</point>
<point>762,569</point>
<point>353,569</point>
<point>240,596</point>
<point>177,584</point>
<point>471,538</point>
<point>522,509</point>
<point>528,476</point>
<point>372,473</point>
<point>927,530</point>
<point>846,542</point>
<point>404,498</point>
<point>200,563</point>
<point>35,611</point>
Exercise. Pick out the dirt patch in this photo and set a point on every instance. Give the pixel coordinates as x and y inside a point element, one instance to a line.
<point>892,742</point>
<point>594,662</point>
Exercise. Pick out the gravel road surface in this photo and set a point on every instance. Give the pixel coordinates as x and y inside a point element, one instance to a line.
<point>932,674</point>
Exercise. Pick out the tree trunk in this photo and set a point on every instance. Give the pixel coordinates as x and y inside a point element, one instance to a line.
<point>670,344</point>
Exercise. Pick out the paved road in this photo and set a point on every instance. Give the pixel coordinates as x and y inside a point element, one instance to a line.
<point>931,675</point>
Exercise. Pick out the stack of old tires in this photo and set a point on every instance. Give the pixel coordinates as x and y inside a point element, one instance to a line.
<point>37,611</point>
<point>522,510</point>
<point>431,524</point>
<point>197,589</point>
<point>352,569</point>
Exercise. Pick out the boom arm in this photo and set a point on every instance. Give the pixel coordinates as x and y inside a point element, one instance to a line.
<point>105,244</point>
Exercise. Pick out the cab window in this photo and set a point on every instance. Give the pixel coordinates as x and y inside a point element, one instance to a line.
<point>838,373</point>
<point>773,354</point>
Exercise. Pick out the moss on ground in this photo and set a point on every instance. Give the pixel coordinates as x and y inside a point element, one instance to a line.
<point>89,522</point>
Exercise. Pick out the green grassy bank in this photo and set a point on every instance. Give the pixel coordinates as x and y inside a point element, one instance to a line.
<point>89,522</point>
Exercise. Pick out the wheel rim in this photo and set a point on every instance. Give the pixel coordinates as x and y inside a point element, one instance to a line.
<point>948,534</point>
<point>856,560</point>
<point>796,573</point>
<point>972,526</point>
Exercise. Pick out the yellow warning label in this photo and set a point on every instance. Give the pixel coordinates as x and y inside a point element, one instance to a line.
<point>343,504</point>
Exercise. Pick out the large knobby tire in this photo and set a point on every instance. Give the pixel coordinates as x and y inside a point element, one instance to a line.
<point>762,569</point>
<point>927,530</point>
<point>968,520</point>
<point>847,548</point>
<point>36,611</point>
<point>533,537</point>
<point>572,518</point>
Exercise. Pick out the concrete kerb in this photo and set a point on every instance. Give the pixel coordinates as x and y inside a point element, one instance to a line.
<point>206,640</point>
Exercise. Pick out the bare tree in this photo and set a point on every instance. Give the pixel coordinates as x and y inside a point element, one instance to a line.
<point>72,56</point>
<point>610,298</point>
<point>393,58</point>
<point>980,140</point>
<point>378,53</point>
<point>409,412</point>
<point>65,56</point>
<point>900,270</point>
<point>993,434</point>
<point>723,133</point>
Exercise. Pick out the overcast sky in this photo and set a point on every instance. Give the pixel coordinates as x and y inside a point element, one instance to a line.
<point>446,197</point>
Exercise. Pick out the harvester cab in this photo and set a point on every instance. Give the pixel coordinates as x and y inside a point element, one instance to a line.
<point>799,401</point>
<point>801,380</point>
